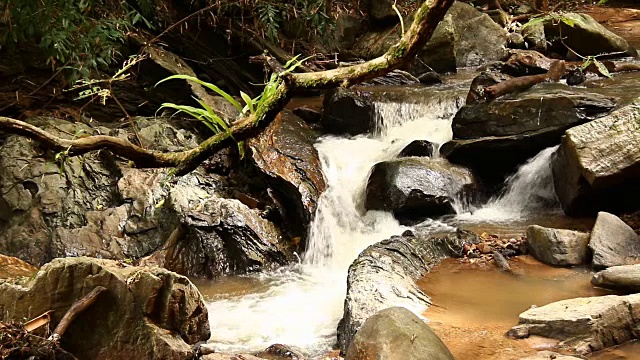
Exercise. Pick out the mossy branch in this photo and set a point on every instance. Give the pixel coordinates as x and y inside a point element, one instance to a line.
<point>425,21</point>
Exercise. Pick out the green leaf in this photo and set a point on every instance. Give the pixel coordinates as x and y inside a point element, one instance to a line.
<point>568,21</point>
<point>212,117</point>
<point>247,99</point>
<point>534,21</point>
<point>601,68</point>
<point>586,63</point>
<point>210,86</point>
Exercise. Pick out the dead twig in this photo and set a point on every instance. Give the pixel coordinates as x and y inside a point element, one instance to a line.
<point>75,309</point>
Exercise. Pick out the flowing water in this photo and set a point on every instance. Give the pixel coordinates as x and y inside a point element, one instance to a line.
<point>302,305</point>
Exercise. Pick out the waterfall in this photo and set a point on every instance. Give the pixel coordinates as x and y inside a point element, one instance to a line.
<point>303,303</point>
<point>529,191</point>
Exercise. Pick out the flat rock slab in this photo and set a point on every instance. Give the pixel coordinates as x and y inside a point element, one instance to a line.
<point>622,278</point>
<point>585,325</point>
<point>613,242</point>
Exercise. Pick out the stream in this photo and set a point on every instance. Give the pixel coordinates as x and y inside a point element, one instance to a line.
<point>301,305</point>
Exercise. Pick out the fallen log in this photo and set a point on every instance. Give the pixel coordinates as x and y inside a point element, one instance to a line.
<point>556,71</point>
<point>75,309</point>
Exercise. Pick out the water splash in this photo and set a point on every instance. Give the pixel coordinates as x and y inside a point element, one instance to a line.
<point>304,303</point>
<point>527,192</point>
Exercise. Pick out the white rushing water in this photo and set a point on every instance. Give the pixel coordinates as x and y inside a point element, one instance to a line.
<point>527,192</point>
<point>304,303</point>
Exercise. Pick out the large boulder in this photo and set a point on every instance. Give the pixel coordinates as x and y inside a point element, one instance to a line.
<point>347,111</point>
<point>597,166</point>
<point>558,246</point>
<point>397,334</point>
<point>624,278</point>
<point>613,242</point>
<point>97,205</point>
<point>385,274</point>
<point>586,37</point>
<point>585,324</point>
<point>465,37</point>
<point>493,138</point>
<point>143,310</point>
<point>417,188</point>
<point>285,154</point>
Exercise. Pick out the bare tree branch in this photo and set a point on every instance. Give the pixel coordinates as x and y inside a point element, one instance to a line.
<point>425,21</point>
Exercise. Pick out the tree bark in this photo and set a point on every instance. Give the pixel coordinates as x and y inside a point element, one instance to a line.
<point>522,83</point>
<point>425,21</point>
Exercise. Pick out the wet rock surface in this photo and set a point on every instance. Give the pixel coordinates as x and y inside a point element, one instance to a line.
<point>585,325</point>
<point>613,242</point>
<point>397,334</point>
<point>285,154</point>
<point>558,247</point>
<point>385,274</point>
<point>418,148</point>
<point>624,278</point>
<point>598,164</point>
<point>158,312</point>
<point>416,188</point>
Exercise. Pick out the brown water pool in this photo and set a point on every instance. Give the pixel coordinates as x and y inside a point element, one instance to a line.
<point>475,306</point>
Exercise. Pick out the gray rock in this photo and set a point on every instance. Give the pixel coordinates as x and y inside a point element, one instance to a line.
<point>381,13</point>
<point>347,111</point>
<point>465,37</point>
<point>587,36</point>
<point>586,324</point>
<point>417,188</point>
<point>397,334</point>
<point>597,164</point>
<point>535,37</point>
<point>613,242</point>
<point>385,274</point>
<point>516,41</point>
<point>285,154</point>
<point>143,311</point>
<point>621,278</point>
<point>558,246</point>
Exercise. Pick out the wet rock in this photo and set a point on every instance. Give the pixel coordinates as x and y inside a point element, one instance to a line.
<point>484,79</point>
<point>397,333</point>
<point>418,148</point>
<point>221,356</point>
<point>280,351</point>
<point>11,268</point>
<point>613,242</point>
<point>527,62</point>
<point>285,154</point>
<point>586,37</point>
<point>381,13</point>
<point>558,247</point>
<point>494,138</point>
<point>529,111</point>
<point>624,278</point>
<point>549,355</point>
<point>576,77</point>
<point>586,324</point>
<point>395,77</point>
<point>465,37</point>
<point>158,312</point>
<point>310,116</point>
<point>385,274</point>
<point>348,111</point>
<point>597,164</point>
<point>417,188</point>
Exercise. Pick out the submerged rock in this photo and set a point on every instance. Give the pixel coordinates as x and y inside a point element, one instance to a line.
<point>621,278</point>
<point>613,242</point>
<point>397,334</point>
<point>143,311</point>
<point>585,325</point>
<point>416,188</point>
<point>347,111</point>
<point>385,274</point>
<point>586,37</point>
<point>558,246</point>
<point>598,164</point>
